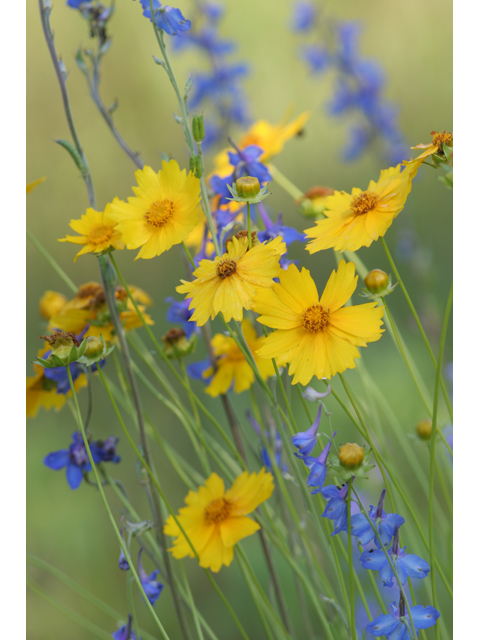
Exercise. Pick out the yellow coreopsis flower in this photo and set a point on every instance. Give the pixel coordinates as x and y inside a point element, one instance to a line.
<point>163,213</point>
<point>97,231</point>
<point>318,337</point>
<point>215,520</point>
<point>51,303</point>
<point>232,366</point>
<point>356,219</point>
<point>438,139</point>
<point>270,137</point>
<point>228,283</point>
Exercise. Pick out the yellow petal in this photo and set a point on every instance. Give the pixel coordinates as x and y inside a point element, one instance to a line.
<point>234,529</point>
<point>340,286</point>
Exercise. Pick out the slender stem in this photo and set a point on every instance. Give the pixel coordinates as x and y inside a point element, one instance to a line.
<point>432,452</point>
<point>130,594</point>
<point>351,569</point>
<point>419,324</point>
<point>189,255</point>
<point>107,506</point>
<point>53,263</point>
<point>249,226</point>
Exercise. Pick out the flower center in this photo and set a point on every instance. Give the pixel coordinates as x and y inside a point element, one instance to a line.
<point>160,213</point>
<point>316,318</point>
<point>439,137</point>
<point>100,234</point>
<point>364,203</point>
<point>226,268</point>
<point>217,511</point>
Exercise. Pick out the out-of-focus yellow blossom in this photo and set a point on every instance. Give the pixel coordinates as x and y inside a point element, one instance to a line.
<point>51,303</point>
<point>31,185</point>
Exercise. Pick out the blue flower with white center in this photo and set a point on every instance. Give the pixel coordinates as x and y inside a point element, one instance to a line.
<point>318,467</point>
<point>126,632</point>
<point>395,625</point>
<point>75,458</point>
<point>336,507</point>
<point>167,18</point>
<point>406,565</point>
<point>385,524</point>
<point>304,16</point>
<point>246,163</point>
<point>305,441</point>
<point>152,587</point>
<point>179,313</point>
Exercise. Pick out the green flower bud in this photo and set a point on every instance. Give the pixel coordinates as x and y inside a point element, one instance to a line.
<point>65,349</point>
<point>376,281</point>
<point>198,128</point>
<point>176,344</point>
<point>351,455</point>
<point>94,347</point>
<point>424,429</point>
<point>248,187</point>
<point>196,166</point>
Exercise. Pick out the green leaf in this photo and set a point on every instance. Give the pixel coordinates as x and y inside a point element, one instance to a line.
<point>77,158</point>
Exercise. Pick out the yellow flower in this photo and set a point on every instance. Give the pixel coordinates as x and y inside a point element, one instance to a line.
<point>270,137</point>
<point>215,520</point>
<point>163,212</point>
<point>438,138</point>
<point>31,185</point>
<point>42,392</point>
<point>90,305</point>
<point>97,231</point>
<point>317,337</point>
<point>355,220</point>
<point>51,303</point>
<point>315,198</point>
<point>228,283</point>
<point>232,366</point>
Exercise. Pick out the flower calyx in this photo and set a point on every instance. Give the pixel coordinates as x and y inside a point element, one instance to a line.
<point>247,189</point>
<point>176,345</point>
<point>378,284</point>
<point>65,349</point>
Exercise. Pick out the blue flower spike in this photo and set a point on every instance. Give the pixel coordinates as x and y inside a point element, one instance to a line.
<point>152,587</point>
<point>126,632</point>
<point>318,467</point>
<point>395,625</point>
<point>336,507</point>
<point>305,441</point>
<point>167,19</point>
<point>406,565</point>
<point>385,523</point>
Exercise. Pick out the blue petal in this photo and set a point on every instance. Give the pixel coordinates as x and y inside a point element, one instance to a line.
<point>414,566</point>
<point>362,529</point>
<point>383,625</point>
<point>74,476</point>
<point>424,617</point>
<point>57,460</point>
<point>400,632</point>
<point>386,573</point>
<point>373,560</point>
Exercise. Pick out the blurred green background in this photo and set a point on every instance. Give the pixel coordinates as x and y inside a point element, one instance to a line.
<point>413,43</point>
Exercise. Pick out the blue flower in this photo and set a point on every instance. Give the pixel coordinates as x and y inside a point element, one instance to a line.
<point>305,441</point>
<point>75,458</point>
<point>122,561</point>
<point>75,4</point>
<point>336,507</point>
<point>179,313</point>
<point>304,15</point>
<point>152,587</point>
<point>317,57</point>
<point>246,163</point>
<point>197,369</point>
<point>168,19</point>
<point>318,467</point>
<point>218,85</point>
<point>394,625</point>
<point>126,632</point>
<point>264,455</point>
<point>385,523</point>
<point>274,229</point>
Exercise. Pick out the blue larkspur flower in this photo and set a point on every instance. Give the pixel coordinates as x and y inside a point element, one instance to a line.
<point>385,523</point>
<point>317,58</point>
<point>246,163</point>
<point>196,370</point>
<point>304,15</point>
<point>76,4</point>
<point>153,588</point>
<point>395,625</point>
<point>167,18</point>
<point>407,565</point>
<point>336,507</point>
<point>126,632</point>
<point>217,85</point>
<point>179,313</point>
<point>122,560</point>
<point>305,441</point>
<point>75,458</point>
<point>274,229</point>
<point>316,396</point>
<point>318,467</point>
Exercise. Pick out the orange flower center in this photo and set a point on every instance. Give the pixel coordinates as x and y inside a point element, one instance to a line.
<point>217,511</point>
<point>160,213</point>
<point>100,234</point>
<point>226,268</point>
<point>316,318</point>
<point>440,137</point>
<point>364,203</point>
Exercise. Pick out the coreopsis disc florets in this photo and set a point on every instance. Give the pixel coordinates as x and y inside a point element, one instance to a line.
<point>424,429</point>
<point>65,349</point>
<point>351,455</point>
<point>244,234</point>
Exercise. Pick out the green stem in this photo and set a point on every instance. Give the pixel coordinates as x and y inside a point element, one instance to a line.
<point>419,324</point>
<point>52,262</point>
<point>443,337</point>
<point>351,569</point>
<point>249,226</point>
<point>107,507</point>
<point>189,255</point>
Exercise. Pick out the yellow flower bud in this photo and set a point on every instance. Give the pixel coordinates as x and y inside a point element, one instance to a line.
<point>376,281</point>
<point>51,303</point>
<point>247,187</point>
<point>424,429</point>
<point>94,347</point>
<point>350,455</point>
